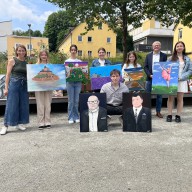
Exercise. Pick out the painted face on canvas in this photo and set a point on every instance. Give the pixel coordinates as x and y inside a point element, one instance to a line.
<point>93,103</point>
<point>137,101</point>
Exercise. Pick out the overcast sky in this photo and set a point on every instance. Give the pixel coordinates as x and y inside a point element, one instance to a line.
<point>23,12</point>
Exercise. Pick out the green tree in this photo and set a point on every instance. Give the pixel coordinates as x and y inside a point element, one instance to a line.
<point>36,33</point>
<point>56,27</point>
<point>117,13</point>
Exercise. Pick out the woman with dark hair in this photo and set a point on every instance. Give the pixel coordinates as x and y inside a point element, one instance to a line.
<point>101,61</point>
<point>73,90</point>
<point>185,70</point>
<point>17,105</point>
<point>131,62</point>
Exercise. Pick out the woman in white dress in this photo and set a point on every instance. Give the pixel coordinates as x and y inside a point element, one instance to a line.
<point>185,70</point>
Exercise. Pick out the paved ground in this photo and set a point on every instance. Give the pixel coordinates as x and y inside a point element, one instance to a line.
<point>63,159</point>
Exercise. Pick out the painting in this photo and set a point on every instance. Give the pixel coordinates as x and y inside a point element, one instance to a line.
<point>2,86</point>
<point>134,79</point>
<point>77,71</point>
<point>165,78</point>
<point>101,75</point>
<point>46,77</point>
<point>137,112</point>
<point>93,112</point>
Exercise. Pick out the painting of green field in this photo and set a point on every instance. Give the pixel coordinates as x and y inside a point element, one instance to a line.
<point>157,89</point>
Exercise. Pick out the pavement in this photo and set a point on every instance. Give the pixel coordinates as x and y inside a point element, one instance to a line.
<point>62,159</point>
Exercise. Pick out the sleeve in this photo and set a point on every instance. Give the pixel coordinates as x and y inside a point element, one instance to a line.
<point>185,75</point>
<point>146,66</point>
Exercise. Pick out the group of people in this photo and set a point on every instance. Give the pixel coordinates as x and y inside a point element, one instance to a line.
<point>17,106</point>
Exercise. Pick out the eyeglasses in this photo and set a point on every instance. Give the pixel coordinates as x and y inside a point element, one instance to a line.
<point>93,102</point>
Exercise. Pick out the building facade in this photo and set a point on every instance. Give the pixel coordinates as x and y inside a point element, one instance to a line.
<point>151,31</point>
<point>183,33</point>
<point>89,43</point>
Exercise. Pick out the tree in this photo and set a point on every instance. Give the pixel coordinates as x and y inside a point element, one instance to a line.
<point>117,13</point>
<point>36,33</point>
<point>56,27</point>
<point>172,12</point>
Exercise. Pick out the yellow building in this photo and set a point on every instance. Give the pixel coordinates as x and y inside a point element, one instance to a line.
<point>10,42</point>
<point>183,33</point>
<point>89,43</point>
<point>150,31</point>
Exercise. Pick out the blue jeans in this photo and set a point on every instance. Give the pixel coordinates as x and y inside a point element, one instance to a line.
<point>159,97</point>
<point>17,105</point>
<point>73,90</point>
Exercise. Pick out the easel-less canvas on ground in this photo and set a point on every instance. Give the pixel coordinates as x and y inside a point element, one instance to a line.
<point>101,75</point>
<point>46,77</point>
<point>137,112</point>
<point>93,112</point>
<point>165,78</point>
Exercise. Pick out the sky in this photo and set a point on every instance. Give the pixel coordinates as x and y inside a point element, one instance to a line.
<point>24,12</point>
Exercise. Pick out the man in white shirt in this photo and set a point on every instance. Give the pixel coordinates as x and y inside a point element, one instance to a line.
<point>95,118</point>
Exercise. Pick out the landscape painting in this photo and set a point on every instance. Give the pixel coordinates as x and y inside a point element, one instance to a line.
<point>76,71</point>
<point>46,77</point>
<point>101,75</point>
<point>134,79</point>
<point>165,78</point>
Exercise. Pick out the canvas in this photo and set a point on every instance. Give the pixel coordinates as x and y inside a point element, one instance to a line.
<point>165,78</point>
<point>101,75</point>
<point>89,104</point>
<point>2,86</point>
<point>77,71</point>
<point>46,77</point>
<point>137,112</point>
<point>134,79</point>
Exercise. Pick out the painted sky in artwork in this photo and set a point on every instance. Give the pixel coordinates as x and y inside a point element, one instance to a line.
<point>157,73</point>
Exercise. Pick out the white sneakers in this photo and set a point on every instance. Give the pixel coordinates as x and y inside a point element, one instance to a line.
<point>21,127</point>
<point>3,130</point>
<point>77,121</point>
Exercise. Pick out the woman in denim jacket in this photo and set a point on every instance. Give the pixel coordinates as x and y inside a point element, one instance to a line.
<point>101,61</point>
<point>185,70</point>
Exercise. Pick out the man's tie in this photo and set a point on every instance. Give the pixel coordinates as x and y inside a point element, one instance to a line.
<point>136,115</point>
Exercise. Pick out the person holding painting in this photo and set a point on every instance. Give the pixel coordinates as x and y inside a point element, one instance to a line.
<point>43,98</point>
<point>101,61</point>
<point>185,70</point>
<point>131,62</point>
<point>155,56</point>
<point>73,90</point>
<point>17,105</point>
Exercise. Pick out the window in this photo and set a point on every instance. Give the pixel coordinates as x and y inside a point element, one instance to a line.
<point>79,53</point>
<point>28,47</point>
<point>89,39</point>
<point>89,53</point>
<point>108,54</point>
<point>17,44</point>
<point>108,39</point>
<point>180,34</point>
<point>100,27</point>
<point>80,38</point>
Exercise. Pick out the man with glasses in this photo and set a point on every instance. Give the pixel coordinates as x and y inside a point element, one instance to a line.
<point>95,118</point>
<point>114,91</point>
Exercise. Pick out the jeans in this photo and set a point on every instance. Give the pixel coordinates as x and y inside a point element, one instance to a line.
<point>114,110</point>
<point>17,105</point>
<point>73,90</point>
<point>159,97</point>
